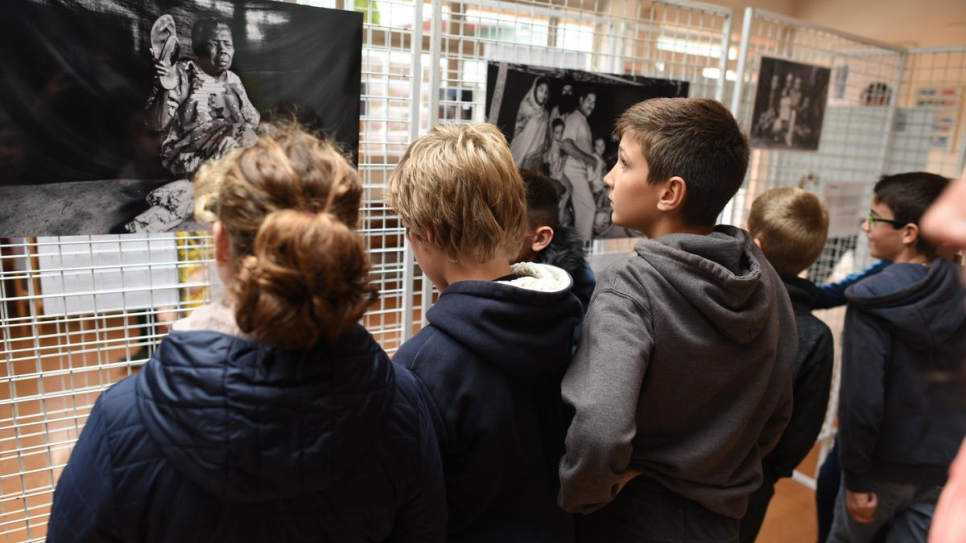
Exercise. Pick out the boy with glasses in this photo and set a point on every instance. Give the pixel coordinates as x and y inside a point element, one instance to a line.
<point>897,433</point>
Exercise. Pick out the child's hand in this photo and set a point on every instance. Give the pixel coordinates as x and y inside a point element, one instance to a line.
<point>861,505</point>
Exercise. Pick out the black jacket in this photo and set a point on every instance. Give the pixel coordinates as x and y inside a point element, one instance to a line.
<point>566,251</point>
<point>219,438</point>
<point>811,383</point>
<point>492,358</point>
<point>896,424</point>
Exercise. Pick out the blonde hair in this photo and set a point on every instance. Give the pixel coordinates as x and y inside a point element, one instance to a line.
<point>290,206</point>
<point>459,182</point>
<point>792,225</point>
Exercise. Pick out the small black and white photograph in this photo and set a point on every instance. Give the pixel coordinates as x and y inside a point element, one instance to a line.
<point>109,107</point>
<point>789,105</point>
<point>561,122</point>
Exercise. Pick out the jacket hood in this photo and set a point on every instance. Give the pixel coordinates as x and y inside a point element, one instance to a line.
<point>524,326</point>
<point>801,291</point>
<point>723,274</point>
<point>252,422</point>
<point>922,306</point>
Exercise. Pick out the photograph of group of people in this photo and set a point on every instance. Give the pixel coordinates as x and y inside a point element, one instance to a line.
<point>560,122</point>
<point>789,105</point>
<point>106,101</point>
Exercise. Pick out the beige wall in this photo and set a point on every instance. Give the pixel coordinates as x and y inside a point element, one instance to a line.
<point>910,23</point>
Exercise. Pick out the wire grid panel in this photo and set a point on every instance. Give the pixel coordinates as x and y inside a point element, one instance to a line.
<point>856,131</point>
<point>931,123</point>
<point>393,72</point>
<point>666,40</point>
<point>853,149</point>
<point>78,314</point>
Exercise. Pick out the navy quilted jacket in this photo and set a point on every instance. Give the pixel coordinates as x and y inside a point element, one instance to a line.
<point>220,438</point>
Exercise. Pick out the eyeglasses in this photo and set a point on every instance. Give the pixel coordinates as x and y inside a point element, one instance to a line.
<point>872,219</point>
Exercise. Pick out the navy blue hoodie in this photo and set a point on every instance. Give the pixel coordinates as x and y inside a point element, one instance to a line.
<point>492,358</point>
<point>219,438</point>
<point>896,424</point>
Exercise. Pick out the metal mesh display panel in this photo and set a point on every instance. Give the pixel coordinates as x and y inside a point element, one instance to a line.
<point>852,147</point>
<point>78,314</point>
<point>392,76</point>
<point>930,130</point>
<point>888,111</point>
<point>666,40</point>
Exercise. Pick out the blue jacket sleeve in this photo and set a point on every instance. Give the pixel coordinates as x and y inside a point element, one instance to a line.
<point>832,295</point>
<point>865,352</point>
<point>83,509</point>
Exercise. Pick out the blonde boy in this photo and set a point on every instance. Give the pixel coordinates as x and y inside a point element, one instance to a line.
<point>791,227</point>
<point>498,338</point>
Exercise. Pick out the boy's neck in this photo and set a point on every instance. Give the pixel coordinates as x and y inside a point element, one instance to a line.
<point>912,256</point>
<point>676,225</point>
<point>455,272</point>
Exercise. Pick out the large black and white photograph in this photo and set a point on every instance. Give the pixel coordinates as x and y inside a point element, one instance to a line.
<point>561,122</point>
<point>789,105</point>
<point>109,107</point>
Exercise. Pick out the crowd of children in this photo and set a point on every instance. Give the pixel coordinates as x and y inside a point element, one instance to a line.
<point>659,401</point>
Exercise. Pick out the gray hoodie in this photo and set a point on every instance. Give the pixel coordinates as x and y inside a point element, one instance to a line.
<point>684,373</point>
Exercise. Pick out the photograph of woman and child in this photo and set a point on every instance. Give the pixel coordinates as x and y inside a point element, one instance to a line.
<point>560,122</point>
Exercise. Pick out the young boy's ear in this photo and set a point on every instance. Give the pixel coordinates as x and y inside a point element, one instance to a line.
<point>910,234</point>
<point>542,237</point>
<point>673,194</point>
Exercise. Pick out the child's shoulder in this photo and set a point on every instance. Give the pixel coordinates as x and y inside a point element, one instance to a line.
<point>892,279</point>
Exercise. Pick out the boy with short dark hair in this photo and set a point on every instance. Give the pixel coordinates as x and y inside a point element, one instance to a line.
<point>498,339</point>
<point>682,380</point>
<point>549,242</point>
<point>790,225</point>
<point>898,433</point>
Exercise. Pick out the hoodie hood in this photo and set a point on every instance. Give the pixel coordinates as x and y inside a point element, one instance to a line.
<point>720,274</point>
<point>523,326</point>
<point>922,305</point>
<point>252,422</point>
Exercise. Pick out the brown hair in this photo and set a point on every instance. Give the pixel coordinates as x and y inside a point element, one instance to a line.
<point>792,225</point>
<point>696,139</point>
<point>290,206</point>
<point>459,182</point>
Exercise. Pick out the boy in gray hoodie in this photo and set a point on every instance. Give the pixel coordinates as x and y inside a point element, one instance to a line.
<point>682,381</point>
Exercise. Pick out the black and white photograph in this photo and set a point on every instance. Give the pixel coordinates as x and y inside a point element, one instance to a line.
<point>789,105</point>
<point>561,122</point>
<point>109,107</point>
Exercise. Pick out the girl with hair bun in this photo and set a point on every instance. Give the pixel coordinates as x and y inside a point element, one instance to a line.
<point>273,415</point>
